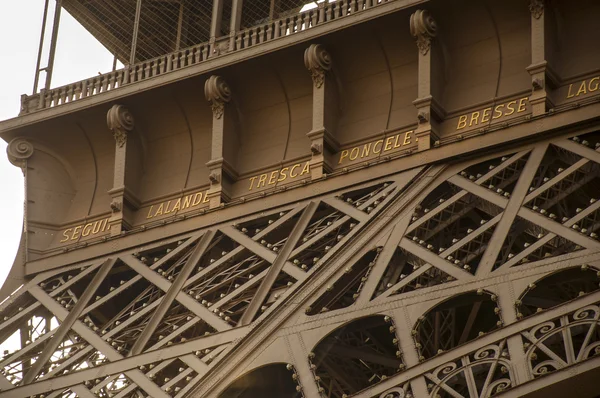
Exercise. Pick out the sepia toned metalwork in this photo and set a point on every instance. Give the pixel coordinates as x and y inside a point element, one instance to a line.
<point>372,199</point>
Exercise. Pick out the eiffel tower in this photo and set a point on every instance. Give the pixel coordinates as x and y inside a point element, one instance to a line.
<point>344,213</point>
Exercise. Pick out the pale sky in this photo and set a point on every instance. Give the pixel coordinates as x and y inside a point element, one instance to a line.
<point>78,56</point>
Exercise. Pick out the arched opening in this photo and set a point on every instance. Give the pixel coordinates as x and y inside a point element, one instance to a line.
<point>356,356</point>
<point>275,380</point>
<point>456,321</point>
<point>556,289</point>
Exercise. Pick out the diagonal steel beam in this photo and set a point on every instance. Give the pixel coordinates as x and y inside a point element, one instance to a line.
<point>97,342</point>
<point>558,229</point>
<point>510,212</point>
<point>547,238</point>
<point>480,191</point>
<point>403,282</point>
<point>278,264</point>
<point>164,285</point>
<point>345,208</point>
<point>127,365</point>
<point>386,255</point>
<point>462,194</point>
<point>262,252</point>
<point>172,293</point>
<point>580,150</point>
<point>434,260</point>
<point>212,267</point>
<point>66,325</point>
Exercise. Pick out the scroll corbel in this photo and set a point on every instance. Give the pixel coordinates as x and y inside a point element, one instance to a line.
<point>225,141</point>
<point>127,171</point>
<point>424,29</point>
<point>323,144</point>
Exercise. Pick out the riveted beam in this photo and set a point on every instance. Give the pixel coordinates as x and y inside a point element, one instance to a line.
<point>172,293</point>
<point>278,264</point>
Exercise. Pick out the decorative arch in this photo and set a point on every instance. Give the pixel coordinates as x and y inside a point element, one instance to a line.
<point>277,380</point>
<point>456,321</point>
<point>557,288</point>
<point>356,355</point>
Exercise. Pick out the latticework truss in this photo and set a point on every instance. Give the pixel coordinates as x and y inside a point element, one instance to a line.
<point>440,282</point>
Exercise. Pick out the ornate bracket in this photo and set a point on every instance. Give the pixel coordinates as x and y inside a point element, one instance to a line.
<point>120,122</point>
<point>217,91</point>
<point>424,29</point>
<point>537,8</point>
<point>318,62</point>
<point>18,151</point>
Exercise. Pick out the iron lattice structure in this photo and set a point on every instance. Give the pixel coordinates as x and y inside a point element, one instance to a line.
<point>453,280</point>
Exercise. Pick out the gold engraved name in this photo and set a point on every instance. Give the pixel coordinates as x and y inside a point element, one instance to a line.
<point>377,147</point>
<point>85,230</point>
<point>484,116</point>
<point>586,86</point>
<point>189,201</point>
<point>279,175</point>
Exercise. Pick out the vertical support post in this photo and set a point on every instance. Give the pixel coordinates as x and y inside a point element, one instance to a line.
<point>323,145</point>
<point>539,100</point>
<point>179,26</point>
<point>225,142</point>
<point>506,302</point>
<point>424,30</point>
<point>215,24</point>
<point>52,54</point>
<point>127,172</point>
<point>236,20</point>
<point>40,49</point>
<point>406,344</point>
<point>136,28</point>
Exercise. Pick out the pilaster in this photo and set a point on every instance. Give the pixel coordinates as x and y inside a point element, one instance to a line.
<point>225,141</point>
<point>127,171</point>
<point>539,69</point>
<point>325,110</point>
<point>424,29</point>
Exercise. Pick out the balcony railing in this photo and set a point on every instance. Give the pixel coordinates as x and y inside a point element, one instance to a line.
<point>194,55</point>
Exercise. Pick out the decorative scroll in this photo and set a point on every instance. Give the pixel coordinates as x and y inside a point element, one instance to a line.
<point>565,341</point>
<point>486,372</point>
<point>424,29</point>
<point>120,121</point>
<point>217,91</point>
<point>537,8</point>
<point>18,151</point>
<point>318,61</point>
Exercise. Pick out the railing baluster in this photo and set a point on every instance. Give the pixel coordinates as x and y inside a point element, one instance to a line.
<point>77,91</point>
<point>326,11</point>
<point>70,93</point>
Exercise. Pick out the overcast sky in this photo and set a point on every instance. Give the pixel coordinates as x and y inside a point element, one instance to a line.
<point>78,56</point>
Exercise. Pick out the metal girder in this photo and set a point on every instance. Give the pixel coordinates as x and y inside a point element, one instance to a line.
<point>383,260</point>
<point>262,252</point>
<point>163,284</point>
<point>68,322</point>
<point>487,339</point>
<point>124,365</point>
<point>94,340</point>
<point>278,264</point>
<point>366,355</point>
<point>345,208</point>
<point>173,291</point>
<point>434,259</point>
<point>510,211</point>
